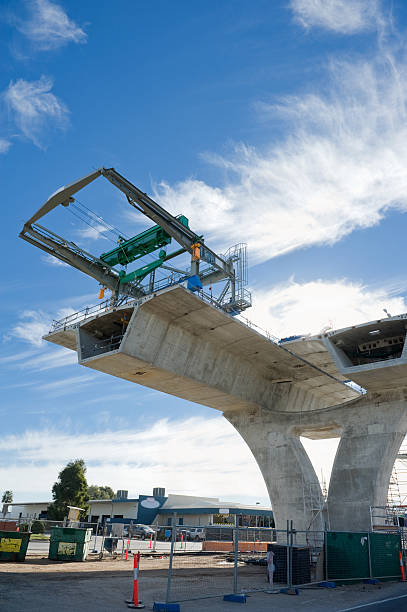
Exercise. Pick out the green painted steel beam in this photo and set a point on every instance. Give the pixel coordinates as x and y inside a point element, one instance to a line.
<point>141,272</point>
<point>147,242</point>
<point>136,247</point>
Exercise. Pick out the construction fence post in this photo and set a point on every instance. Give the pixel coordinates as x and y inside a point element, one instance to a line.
<point>235,596</point>
<point>288,554</point>
<point>167,606</point>
<point>369,554</point>
<point>291,553</point>
<point>173,544</point>
<point>290,531</point>
<point>236,559</point>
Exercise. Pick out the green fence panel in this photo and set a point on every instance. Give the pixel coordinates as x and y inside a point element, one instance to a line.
<point>347,555</point>
<point>384,550</point>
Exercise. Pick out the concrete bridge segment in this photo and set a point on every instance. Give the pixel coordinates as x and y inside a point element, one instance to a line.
<point>177,343</point>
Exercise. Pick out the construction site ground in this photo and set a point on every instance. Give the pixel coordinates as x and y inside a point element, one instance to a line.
<point>39,584</point>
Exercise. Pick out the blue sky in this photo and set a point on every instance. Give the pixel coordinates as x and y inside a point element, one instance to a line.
<point>282,124</point>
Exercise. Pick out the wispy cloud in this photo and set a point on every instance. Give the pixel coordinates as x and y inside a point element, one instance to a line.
<point>152,455</point>
<point>49,27</point>
<point>340,167</point>
<point>35,109</point>
<point>50,359</point>
<point>96,232</point>
<point>4,145</point>
<point>340,16</point>
<point>53,261</point>
<point>66,386</point>
<point>32,326</point>
<point>148,456</point>
<point>15,357</point>
<point>300,308</point>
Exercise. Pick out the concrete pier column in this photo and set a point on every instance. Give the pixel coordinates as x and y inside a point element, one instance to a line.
<point>363,464</point>
<point>290,478</point>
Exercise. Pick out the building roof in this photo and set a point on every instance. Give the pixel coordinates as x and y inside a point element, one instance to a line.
<point>198,505</point>
<point>114,500</point>
<point>43,503</point>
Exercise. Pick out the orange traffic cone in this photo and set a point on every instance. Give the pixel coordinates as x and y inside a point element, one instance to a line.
<point>135,602</point>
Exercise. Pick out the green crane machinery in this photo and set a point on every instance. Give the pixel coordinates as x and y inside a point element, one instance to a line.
<point>167,227</point>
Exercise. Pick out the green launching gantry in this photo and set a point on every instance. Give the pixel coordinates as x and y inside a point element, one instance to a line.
<point>130,250</point>
<point>167,227</point>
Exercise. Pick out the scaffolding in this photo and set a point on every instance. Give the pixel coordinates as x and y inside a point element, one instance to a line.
<point>397,492</point>
<point>314,502</point>
<point>393,516</point>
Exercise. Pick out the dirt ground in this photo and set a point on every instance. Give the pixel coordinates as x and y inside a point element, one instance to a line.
<point>42,565</point>
<point>41,585</point>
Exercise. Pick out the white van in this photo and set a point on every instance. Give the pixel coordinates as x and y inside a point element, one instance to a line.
<point>196,533</point>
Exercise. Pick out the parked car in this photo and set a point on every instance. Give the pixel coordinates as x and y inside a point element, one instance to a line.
<point>196,533</point>
<point>141,531</point>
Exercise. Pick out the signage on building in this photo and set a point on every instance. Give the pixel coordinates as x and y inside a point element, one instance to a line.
<point>148,508</point>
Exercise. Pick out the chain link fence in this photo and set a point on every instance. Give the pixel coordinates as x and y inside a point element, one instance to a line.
<point>236,560</point>
<point>230,560</point>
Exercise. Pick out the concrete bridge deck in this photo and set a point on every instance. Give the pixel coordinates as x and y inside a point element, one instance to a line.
<point>175,342</point>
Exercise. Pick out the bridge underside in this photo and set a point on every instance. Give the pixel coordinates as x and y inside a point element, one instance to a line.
<point>176,343</point>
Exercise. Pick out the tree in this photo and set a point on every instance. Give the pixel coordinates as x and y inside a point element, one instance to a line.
<point>7,497</point>
<point>37,527</point>
<point>95,492</point>
<point>71,489</point>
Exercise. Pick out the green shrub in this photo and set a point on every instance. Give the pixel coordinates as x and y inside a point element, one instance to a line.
<point>37,527</point>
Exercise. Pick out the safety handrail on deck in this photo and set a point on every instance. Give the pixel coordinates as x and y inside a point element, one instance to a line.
<point>103,307</point>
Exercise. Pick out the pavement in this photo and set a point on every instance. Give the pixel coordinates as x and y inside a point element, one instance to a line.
<point>41,547</point>
<point>41,585</point>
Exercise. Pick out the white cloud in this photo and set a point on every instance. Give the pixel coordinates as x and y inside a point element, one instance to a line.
<point>138,460</point>
<point>4,145</point>
<point>341,167</point>
<point>53,261</point>
<point>299,308</point>
<point>15,357</point>
<point>51,359</point>
<point>66,386</point>
<point>32,326</point>
<point>49,27</point>
<point>95,232</point>
<point>341,16</point>
<point>34,108</point>
<point>48,359</point>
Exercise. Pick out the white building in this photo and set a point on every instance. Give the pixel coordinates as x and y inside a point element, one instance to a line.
<point>160,510</point>
<point>27,510</point>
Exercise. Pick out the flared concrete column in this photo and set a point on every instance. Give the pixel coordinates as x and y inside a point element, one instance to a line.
<point>364,462</point>
<point>290,478</point>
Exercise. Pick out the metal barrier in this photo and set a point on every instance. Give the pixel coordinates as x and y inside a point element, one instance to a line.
<point>201,574</point>
<point>239,560</point>
<point>353,556</point>
<point>230,560</point>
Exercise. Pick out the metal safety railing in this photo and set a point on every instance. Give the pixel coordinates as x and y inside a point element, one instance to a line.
<point>104,307</point>
<point>87,313</point>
